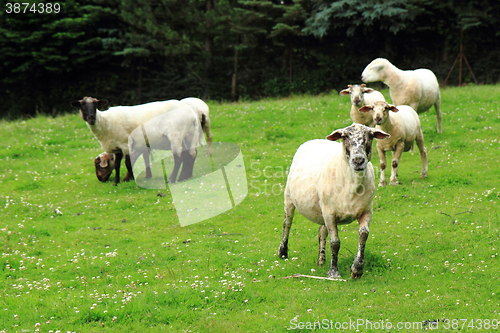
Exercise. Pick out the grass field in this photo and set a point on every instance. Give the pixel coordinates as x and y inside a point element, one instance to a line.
<point>117,260</point>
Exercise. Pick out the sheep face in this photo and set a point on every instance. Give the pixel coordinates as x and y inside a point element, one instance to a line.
<point>357,92</point>
<point>104,166</point>
<point>374,71</point>
<point>380,111</point>
<point>88,107</point>
<point>357,144</point>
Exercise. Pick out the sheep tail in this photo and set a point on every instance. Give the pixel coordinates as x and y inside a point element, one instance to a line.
<point>203,122</point>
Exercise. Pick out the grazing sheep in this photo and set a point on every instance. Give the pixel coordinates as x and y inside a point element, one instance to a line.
<point>105,164</point>
<point>333,184</point>
<point>201,108</point>
<point>403,124</point>
<point>418,88</point>
<point>361,96</point>
<point>176,130</point>
<point>113,127</point>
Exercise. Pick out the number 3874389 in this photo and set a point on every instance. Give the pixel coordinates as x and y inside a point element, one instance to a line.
<point>36,8</point>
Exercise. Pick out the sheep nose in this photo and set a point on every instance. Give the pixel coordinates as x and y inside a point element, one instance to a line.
<point>358,161</point>
<point>378,120</point>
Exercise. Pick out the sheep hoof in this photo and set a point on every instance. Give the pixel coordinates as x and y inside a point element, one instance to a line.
<point>394,182</point>
<point>282,252</point>
<point>356,275</point>
<point>334,274</point>
<point>382,183</point>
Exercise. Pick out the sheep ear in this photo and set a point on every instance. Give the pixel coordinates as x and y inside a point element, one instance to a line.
<point>75,103</point>
<point>366,108</point>
<point>345,92</point>
<point>368,90</point>
<point>335,135</point>
<point>393,108</point>
<point>102,102</point>
<point>378,134</point>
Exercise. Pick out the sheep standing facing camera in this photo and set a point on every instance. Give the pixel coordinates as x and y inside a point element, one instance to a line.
<point>418,88</point>
<point>361,96</point>
<point>403,124</point>
<point>331,184</point>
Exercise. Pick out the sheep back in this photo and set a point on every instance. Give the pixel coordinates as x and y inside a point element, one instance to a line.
<point>418,88</point>
<point>115,125</point>
<point>176,130</point>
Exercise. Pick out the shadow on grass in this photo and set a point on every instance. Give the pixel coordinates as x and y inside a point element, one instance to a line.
<point>374,263</point>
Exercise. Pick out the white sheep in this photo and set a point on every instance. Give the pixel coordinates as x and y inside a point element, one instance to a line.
<point>113,127</point>
<point>104,162</point>
<point>333,184</point>
<point>403,124</point>
<point>177,130</point>
<point>417,88</point>
<point>201,108</point>
<point>361,96</point>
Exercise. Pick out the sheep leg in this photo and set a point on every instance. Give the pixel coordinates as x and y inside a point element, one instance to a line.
<point>148,165</point>
<point>188,158</point>
<point>130,172</point>
<point>383,163</point>
<point>423,153</point>
<point>364,231</point>
<point>322,233</point>
<point>396,155</point>
<point>177,165</point>
<point>334,247</point>
<point>439,116</point>
<point>287,224</point>
<point>118,160</point>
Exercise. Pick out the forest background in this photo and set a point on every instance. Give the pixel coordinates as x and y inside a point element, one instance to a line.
<point>136,51</point>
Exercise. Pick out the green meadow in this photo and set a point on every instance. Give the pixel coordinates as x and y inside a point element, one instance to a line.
<point>79,255</point>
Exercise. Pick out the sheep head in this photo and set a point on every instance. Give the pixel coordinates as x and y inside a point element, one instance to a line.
<point>88,107</point>
<point>356,91</point>
<point>375,71</point>
<point>357,144</point>
<point>104,166</point>
<point>380,111</point>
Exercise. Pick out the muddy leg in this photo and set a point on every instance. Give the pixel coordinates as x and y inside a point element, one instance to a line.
<point>322,234</point>
<point>364,231</point>
<point>383,163</point>
<point>287,224</point>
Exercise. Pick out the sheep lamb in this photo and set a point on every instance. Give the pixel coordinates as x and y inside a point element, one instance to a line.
<point>113,127</point>
<point>332,184</point>
<point>361,96</point>
<point>417,88</point>
<point>403,124</point>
